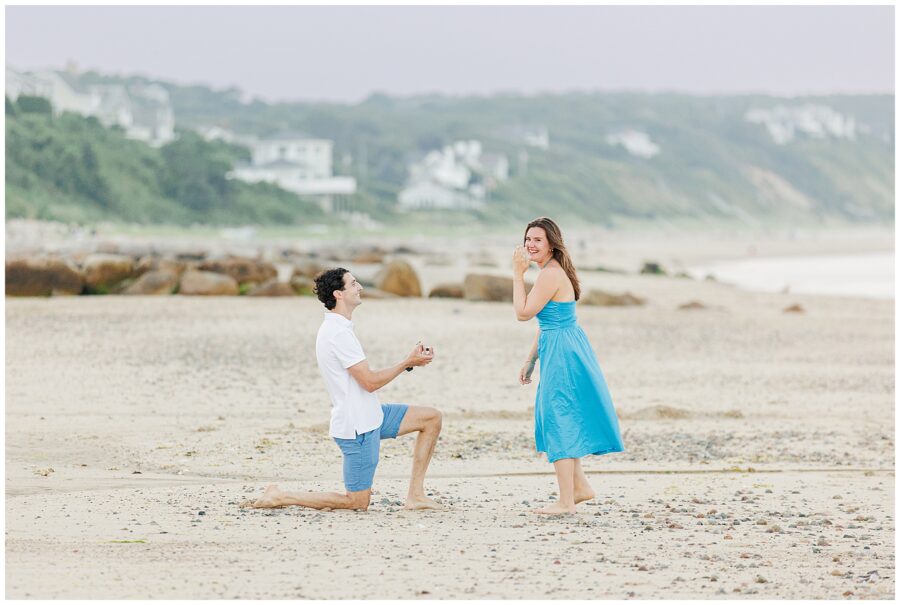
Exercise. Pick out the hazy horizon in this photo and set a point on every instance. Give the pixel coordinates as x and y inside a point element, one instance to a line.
<point>313,53</point>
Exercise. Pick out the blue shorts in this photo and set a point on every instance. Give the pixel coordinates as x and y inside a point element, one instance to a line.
<point>361,453</point>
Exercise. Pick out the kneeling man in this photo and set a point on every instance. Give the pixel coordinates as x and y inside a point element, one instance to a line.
<point>358,421</point>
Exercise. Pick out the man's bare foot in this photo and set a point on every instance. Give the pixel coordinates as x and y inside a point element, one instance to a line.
<point>422,503</point>
<point>584,496</point>
<point>269,499</point>
<point>556,508</point>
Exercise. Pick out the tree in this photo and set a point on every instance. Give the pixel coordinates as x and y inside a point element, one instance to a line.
<point>30,104</point>
<point>192,175</point>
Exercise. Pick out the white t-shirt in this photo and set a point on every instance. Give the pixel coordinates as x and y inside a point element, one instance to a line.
<point>354,410</point>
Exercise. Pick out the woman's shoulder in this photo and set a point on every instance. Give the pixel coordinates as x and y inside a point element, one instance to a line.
<point>553,271</point>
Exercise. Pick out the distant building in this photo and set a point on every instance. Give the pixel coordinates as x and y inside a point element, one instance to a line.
<point>297,163</point>
<point>216,133</point>
<point>429,195</point>
<point>536,137</point>
<point>635,142</point>
<point>143,111</point>
<point>458,176</point>
<point>785,122</point>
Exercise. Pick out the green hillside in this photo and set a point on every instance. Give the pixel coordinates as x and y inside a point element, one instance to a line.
<point>713,164</point>
<point>71,168</point>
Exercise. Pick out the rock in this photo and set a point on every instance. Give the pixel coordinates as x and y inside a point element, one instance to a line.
<point>103,273</point>
<point>152,263</point>
<point>490,288</point>
<point>307,268</point>
<point>398,277</point>
<point>273,288</point>
<point>794,309</point>
<point>302,285</point>
<point>691,306</point>
<point>605,299</point>
<point>376,294</point>
<point>447,291</point>
<point>42,276</point>
<point>241,270</point>
<point>653,269</point>
<point>207,283</point>
<point>153,283</point>
<point>369,256</point>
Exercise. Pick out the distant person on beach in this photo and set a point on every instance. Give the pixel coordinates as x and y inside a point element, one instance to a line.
<point>573,411</point>
<point>358,421</point>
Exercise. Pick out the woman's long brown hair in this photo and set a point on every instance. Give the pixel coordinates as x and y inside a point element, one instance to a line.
<point>555,239</point>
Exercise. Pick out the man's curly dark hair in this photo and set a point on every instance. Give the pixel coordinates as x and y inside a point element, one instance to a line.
<point>327,282</point>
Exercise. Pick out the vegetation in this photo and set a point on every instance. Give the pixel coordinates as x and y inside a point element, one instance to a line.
<point>73,169</point>
<point>713,164</point>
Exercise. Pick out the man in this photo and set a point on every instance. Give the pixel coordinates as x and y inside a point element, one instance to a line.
<point>358,421</point>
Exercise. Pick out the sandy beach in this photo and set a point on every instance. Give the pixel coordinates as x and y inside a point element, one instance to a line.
<point>759,456</point>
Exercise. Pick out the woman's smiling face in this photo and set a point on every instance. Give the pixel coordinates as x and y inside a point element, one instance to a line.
<point>536,245</point>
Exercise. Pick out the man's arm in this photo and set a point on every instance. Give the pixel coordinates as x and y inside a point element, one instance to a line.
<point>372,380</point>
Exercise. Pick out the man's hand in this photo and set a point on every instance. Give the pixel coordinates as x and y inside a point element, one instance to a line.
<point>420,356</point>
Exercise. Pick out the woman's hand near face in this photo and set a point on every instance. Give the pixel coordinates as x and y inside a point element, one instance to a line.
<point>520,261</point>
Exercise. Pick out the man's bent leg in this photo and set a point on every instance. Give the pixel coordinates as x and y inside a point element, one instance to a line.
<point>427,421</point>
<point>273,497</point>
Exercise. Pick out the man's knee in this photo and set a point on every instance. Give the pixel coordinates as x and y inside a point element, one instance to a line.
<point>435,419</point>
<point>359,500</point>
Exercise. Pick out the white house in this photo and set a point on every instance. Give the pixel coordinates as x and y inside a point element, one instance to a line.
<point>144,111</point>
<point>457,176</point>
<point>298,148</point>
<point>298,163</point>
<point>428,195</point>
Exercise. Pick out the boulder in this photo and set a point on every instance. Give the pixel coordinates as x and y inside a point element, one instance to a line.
<point>651,268</point>
<point>490,288</point>
<point>273,287</point>
<point>207,283</point>
<point>447,291</point>
<point>153,263</point>
<point>103,273</point>
<point>398,277</point>
<point>605,299</point>
<point>241,270</point>
<point>153,283</point>
<point>369,256</point>
<point>302,285</point>
<point>307,268</point>
<point>691,306</point>
<point>794,309</point>
<point>42,276</point>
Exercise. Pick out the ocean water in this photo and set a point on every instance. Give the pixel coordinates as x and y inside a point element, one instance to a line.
<point>868,275</point>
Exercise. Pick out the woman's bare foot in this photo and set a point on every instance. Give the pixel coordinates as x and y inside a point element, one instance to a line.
<point>269,499</point>
<point>556,508</point>
<point>422,503</point>
<point>584,496</point>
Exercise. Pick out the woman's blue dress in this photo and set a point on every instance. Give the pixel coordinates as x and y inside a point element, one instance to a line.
<point>573,412</point>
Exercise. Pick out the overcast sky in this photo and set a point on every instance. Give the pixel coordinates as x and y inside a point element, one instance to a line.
<point>346,53</point>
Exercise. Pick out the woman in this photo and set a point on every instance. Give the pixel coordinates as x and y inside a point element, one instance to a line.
<point>573,412</point>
